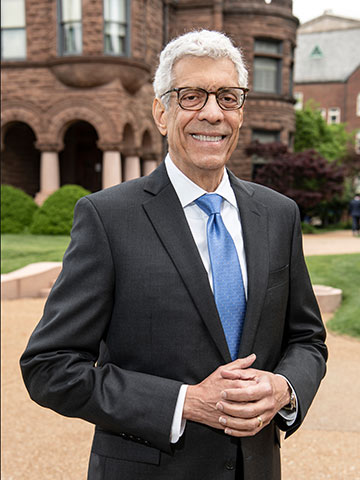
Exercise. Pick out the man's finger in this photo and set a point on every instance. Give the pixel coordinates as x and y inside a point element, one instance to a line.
<point>238,374</point>
<point>240,363</point>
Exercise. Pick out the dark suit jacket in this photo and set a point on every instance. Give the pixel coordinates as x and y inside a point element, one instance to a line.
<point>132,317</point>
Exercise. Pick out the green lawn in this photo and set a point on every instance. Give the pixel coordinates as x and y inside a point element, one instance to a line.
<point>340,271</point>
<point>20,250</point>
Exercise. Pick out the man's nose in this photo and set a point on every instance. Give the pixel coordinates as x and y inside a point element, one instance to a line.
<point>211,111</point>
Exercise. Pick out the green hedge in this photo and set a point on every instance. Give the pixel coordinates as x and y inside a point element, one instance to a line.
<point>55,217</point>
<point>17,209</point>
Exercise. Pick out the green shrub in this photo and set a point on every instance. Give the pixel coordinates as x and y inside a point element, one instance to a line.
<point>17,209</point>
<point>55,217</point>
<point>307,228</point>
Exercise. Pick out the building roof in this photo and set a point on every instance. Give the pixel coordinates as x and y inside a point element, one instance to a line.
<point>328,22</point>
<point>328,56</point>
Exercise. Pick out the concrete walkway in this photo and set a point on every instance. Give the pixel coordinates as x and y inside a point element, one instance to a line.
<point>38,444</point>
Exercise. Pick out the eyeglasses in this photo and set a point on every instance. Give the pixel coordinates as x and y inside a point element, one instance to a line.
<point>194,98</point>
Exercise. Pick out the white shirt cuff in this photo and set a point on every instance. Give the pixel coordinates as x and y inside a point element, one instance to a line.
<point>289,417</point>
<point>178,423</point>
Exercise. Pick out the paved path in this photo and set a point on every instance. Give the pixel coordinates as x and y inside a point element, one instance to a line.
<point>41,445</point>
<point>331,243</point>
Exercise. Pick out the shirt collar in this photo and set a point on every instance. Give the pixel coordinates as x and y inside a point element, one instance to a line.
<point>188,191</point>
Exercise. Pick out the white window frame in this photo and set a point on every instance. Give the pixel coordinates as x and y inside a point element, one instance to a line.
<point>18,26</point>
<point>117,25</point>
<point>323,113</point>
<point>357,142</point>
<point>63,24</point>
<point>299,97</point>
<point>334,112</point>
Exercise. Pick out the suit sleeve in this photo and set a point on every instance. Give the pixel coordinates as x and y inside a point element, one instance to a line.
<point>304,360</point>
<point>59,364</point>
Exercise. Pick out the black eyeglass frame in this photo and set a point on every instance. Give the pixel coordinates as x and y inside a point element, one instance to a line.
<point>216,93</point>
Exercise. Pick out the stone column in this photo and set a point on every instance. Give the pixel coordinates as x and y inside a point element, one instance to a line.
<point>111,170</point>
<point>49,175</point>
<point>132,167</point>
<point>149,163</point>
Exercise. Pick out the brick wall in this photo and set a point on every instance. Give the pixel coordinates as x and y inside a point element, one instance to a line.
<point>36,93</point>
<point>352,91</point>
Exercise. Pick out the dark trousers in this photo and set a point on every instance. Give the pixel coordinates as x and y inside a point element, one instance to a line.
<point>355,223</point>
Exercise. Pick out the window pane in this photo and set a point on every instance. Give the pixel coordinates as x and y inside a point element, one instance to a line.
<point>264,136</point>
<point>13,44</point>
<point>72,38</point>
<point>267,46</point>
<point>71,10</point>
<point>115,10</point>
<point>266,75</point>
<point>12,13</point>
<point>334,115</point>
<point>115,38</point>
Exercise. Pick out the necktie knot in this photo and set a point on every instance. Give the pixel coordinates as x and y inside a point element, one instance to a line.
<point>210,203</point>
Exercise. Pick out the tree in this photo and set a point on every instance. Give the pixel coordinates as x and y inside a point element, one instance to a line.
<point>306,177</point>
<point>312,132</point>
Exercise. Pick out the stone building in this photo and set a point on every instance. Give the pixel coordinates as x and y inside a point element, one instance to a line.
<point>77,93</point>
<point>328,69</point>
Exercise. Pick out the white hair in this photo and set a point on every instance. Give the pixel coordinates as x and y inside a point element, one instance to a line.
<point>200,43</point>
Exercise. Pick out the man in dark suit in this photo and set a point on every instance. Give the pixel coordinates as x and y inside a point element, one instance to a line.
<point>188,363</point>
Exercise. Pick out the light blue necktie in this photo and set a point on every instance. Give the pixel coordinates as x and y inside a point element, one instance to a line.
<point>228,284</point>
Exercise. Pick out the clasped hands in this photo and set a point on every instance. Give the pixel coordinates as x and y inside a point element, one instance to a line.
<point>236,398</point>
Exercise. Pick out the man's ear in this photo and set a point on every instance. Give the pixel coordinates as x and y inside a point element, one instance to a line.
<point>241,117</point>
<point>160,116</point>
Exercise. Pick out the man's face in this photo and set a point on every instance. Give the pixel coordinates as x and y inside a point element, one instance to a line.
<point>200,141</point>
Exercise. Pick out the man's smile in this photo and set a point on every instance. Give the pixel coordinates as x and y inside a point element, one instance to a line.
<point>208,138</point>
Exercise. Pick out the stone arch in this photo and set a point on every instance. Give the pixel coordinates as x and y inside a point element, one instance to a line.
<point>20,160</point>
<point>128,137</point>
<point>132,119</point>
<point>80,161</point>
<point>62,114</point>
<point>146,144</point>
<point>156,137</point>
<point>25,112</point>
<point>149,158</point>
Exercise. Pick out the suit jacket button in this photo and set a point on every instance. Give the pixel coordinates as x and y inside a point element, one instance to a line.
<point>229,465</point>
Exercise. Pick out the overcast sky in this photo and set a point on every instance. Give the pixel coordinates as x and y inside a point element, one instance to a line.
<point>308,9</point>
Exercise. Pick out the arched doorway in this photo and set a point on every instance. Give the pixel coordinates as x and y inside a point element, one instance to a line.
<point>81,159</point>
<point>148,158</point>
<point>20,160</point>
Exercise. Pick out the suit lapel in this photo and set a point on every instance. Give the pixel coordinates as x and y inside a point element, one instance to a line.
<point>166,214</point>
<point>254,221</point>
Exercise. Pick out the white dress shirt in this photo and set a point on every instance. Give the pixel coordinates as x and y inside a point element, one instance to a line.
<point>188,192</point>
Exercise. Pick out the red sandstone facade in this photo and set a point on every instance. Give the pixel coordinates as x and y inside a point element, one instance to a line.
<point>327,69</point>
<point>86,118</point>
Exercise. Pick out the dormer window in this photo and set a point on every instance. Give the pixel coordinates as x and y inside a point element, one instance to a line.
<point>316,52</point>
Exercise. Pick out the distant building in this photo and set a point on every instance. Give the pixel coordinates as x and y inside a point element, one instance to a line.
<point>327,69</point>
<point>77,93</point>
